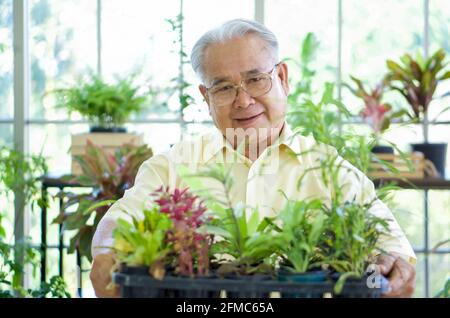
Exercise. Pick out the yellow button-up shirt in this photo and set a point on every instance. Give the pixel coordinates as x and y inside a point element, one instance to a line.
<point>256,184</point>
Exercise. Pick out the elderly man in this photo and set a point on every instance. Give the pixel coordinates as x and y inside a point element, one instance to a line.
<point>246,89</point>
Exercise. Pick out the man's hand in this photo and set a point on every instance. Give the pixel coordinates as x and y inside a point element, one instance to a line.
<point>400,273</point>
<point>101,276</point>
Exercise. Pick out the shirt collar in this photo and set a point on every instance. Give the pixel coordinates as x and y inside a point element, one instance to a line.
<point>215,142</point>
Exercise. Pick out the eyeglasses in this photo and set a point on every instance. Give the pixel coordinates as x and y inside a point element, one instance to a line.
<point>256,85</point>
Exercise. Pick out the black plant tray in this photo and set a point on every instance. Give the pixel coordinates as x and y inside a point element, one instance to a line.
<point>142,285</point>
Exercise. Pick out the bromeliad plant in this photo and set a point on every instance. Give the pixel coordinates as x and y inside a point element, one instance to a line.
<point>377,114</point>
<point>417,79</point>
<point>191,244</point>
<point>109,175</point>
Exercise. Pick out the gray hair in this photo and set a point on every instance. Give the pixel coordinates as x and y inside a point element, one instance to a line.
<point>236,28</point>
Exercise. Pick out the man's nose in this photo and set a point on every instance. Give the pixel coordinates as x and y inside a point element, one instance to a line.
<point>243,99</point>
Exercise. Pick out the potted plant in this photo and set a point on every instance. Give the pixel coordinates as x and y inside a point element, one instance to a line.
<point>416,80</point>
<point>109,175</point>
<point>297,240</point>
<point>167,242</point>
<point>349,241</point>
<point>377,114</point>
<point>107,107</point>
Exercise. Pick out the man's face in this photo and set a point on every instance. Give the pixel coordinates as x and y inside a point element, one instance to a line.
<point>233,61</point>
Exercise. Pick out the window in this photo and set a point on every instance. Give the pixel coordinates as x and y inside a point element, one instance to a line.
<point>291,20</point>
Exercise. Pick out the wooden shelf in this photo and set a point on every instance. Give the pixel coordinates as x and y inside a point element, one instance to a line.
<point>422,184</point>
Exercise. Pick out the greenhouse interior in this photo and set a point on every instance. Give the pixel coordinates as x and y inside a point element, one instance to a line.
<point>224,149</point>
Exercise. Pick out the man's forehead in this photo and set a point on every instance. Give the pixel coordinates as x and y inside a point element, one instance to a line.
<point>218,78</point>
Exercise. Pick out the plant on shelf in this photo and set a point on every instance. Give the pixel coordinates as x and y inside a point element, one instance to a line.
<point>325,121</point>
<point>19,178</point>
<point>417,80</point>
<point>376,113</point>
<point>107,106</point>
<point>109,176</point>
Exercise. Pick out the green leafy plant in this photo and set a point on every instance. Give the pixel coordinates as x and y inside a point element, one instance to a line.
<point>323,120</point>
<point>417,79</point>
<point>376,113</point>
<point>19,174</point>
<point>144,241</point>
<point>351,231</point>
<point>299,234</point>
<point>103,104</point>
<point>109,175</point>
<point>307,53</point>
<point>180,84</point>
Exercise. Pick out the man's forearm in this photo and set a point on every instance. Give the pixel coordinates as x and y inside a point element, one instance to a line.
<point>103,259</point>
<point>101,276</point>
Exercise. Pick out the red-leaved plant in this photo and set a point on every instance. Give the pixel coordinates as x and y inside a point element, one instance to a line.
<point>191,247</point>
<point>377,114</point>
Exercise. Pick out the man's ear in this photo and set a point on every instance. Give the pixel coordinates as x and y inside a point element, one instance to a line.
<point>283,74</point>
<point>204,93</point>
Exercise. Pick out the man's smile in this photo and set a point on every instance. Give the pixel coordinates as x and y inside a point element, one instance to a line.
<point>248,120</point>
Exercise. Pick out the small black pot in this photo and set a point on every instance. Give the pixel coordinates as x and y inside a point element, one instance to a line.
<point>316,276</point>
<point>383,149</point>
<point>250,279</point>
<point>436,153</point>
<point>99,129</point>
<point>138,291</point>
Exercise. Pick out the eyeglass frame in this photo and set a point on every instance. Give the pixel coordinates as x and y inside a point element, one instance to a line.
<point>239,86</point>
